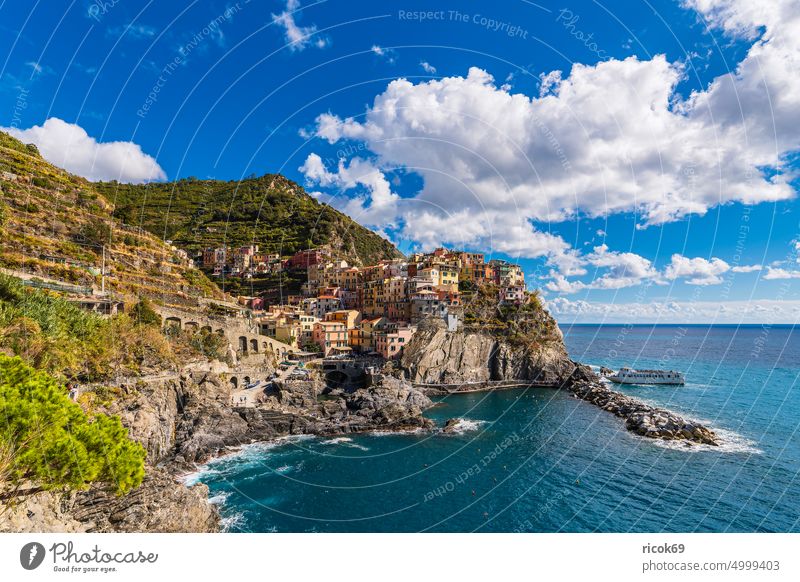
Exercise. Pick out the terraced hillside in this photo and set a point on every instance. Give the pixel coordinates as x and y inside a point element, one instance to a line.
<point>270,211</point>
<point>60,229</point>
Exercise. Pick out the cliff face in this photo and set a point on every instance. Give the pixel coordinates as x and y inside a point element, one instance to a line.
<point>159,504</point>
<point>186,418</point>
<point>437,356</point>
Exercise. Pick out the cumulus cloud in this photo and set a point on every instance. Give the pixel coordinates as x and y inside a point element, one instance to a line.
<point>775,273</point>
<point>697,271</point>
<point>68,146</point>
<point>599,139</point>
<point>298,37</point>
<point>618,270</point>
<point>378,207</point>
<point>668,311</point>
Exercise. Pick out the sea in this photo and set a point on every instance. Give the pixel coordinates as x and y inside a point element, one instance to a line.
<point>539,460</point>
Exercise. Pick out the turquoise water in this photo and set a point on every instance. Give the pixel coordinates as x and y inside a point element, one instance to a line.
<point>538,460</point>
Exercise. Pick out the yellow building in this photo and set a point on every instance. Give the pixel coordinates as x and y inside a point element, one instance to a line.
<point>362,338</point>
<point>349,317</point>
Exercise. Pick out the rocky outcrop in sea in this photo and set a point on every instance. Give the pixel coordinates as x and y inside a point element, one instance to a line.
<point>640,418</point>
<point>465,359</point>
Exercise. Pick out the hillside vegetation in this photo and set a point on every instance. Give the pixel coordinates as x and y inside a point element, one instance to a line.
<point>270,211</point>
<point>72,344</point>
<point>525,324</point>
<point>58,227</point>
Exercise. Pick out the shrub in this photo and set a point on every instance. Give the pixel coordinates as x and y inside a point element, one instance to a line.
<point>144,314</point>
<point>211,345</point>
<point>97,232</point>
<point>47,440</point>
<point>40,182</point>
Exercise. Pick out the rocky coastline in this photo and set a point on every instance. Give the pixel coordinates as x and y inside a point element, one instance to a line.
<point>640,418</point>
<point>472,361</point>
<point>187,418</point>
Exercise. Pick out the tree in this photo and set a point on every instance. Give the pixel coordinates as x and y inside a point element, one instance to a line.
<point>144,314</point>
<point>47,440</point>
<point>97,232</point>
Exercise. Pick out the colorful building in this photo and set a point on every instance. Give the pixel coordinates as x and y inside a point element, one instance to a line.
<point>390,342</point>
<point>330,336</point>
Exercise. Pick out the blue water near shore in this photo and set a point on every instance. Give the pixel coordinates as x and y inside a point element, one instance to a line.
<point>538,460</point>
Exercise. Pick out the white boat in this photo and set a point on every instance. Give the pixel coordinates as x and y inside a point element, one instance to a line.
<point>631,376</point>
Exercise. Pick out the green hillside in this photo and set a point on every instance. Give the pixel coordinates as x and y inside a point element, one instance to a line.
<point>270,211</point>
<point>56,227</point>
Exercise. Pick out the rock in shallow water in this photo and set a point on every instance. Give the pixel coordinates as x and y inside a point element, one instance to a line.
<point>641,418</point>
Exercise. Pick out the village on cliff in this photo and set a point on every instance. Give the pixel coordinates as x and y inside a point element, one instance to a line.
<point>363,310</point>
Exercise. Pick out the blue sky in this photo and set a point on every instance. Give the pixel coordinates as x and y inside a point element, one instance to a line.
<point>637,158</point>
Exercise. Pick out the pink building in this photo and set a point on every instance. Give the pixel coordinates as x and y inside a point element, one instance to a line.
<point>390,343</point>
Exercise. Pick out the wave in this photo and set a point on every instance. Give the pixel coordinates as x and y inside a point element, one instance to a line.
<point>466,425</point>
<point>344,441</point>
<point>240,457</point>
<point>219,498</point>
<point>730,443</point>
<point>233,522</point>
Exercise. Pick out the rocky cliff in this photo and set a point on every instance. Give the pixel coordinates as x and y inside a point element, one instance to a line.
<point>438,356</point>
<point>186,418</point>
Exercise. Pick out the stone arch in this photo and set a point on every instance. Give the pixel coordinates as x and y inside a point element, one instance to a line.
<point>243,344</point>
<point>206,328</point>
<point>247,381</point>
<point>254,345</point>
<point>234,382</point>
<point>172,321</point>
<point>191,326</point>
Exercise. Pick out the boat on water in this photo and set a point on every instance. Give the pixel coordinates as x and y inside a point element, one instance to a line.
<point>631,376</point>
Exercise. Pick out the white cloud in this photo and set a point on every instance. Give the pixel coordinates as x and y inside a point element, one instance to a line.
<point>388,54</point>
<point>36,68</point>
<point>68,146</point>
<point>697,271</point>
<point>379,207</point>
<point>298,37</point>
<point>427,67</point>
<point>607,138</point>
<point>616,270</point>
<point>134,31</point>
<point>775,273</point>
<point>747,268</point>
<point>619,270</point>
<point>669,311</point>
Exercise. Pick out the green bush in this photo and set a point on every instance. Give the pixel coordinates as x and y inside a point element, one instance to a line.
<point>211,345</point>
<point>40,182</point>
<point>144,314</point>
<point>51,443</point>
<point>97,232</point>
